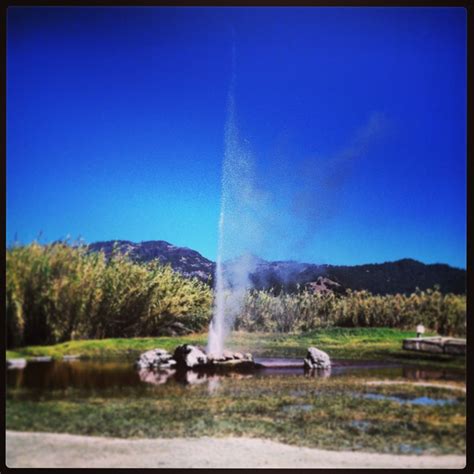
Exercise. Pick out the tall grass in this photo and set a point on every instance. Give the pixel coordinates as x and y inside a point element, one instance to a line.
<point>303,311</point>
<point>58,292</point>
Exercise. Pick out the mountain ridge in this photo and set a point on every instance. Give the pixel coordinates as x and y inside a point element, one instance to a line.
<point>399,276</point>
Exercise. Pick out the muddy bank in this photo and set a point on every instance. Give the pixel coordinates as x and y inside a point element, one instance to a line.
<point>64,450</point>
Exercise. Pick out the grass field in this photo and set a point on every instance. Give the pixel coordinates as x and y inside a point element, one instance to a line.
<point>339,343</point>
<point>314,412</point>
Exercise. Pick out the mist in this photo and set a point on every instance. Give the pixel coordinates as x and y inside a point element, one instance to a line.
<point>267,210</point>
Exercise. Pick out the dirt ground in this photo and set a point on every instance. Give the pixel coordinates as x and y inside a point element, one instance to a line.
<point>64,450</point>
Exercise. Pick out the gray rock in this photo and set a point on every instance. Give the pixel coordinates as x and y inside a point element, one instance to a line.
<point>71,357</point>
<point>16,363</point>
<point>41,359</point>
<point>214,358</point>
<point>189,356</point>
<point>317,359</point>
<point>154,359</point>
<point>227,355</point>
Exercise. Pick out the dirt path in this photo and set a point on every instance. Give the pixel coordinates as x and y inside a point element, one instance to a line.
<point>64,450</point>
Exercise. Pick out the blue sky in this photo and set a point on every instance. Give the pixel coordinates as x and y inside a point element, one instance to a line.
<point>355,117</point>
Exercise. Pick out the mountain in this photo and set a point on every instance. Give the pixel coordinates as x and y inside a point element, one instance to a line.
<point>186,261</point>
<point>401,276</point>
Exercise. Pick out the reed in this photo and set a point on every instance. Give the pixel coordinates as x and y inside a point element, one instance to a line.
<point>305,311</point>
<point>61,292</point>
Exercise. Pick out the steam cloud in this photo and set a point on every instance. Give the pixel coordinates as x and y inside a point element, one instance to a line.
<point>241,230</point>
<point>253,213</point>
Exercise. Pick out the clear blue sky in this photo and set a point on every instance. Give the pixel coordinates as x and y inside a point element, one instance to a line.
<point>356,118</point>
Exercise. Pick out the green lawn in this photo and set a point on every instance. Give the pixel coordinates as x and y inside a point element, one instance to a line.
<point>339,343</point>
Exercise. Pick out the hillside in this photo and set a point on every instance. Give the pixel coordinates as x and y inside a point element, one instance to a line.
<point>401,276</point>
<point>186,261</point>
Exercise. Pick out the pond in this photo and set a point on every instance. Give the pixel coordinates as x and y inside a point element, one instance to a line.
<point>97,375</point>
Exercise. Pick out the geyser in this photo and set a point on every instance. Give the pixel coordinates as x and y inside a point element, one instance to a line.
<point>280,214</point>
<point>238,230</point>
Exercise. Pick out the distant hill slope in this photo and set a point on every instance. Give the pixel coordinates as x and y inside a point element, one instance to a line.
<point>186,261</point>
<point>402,276</point>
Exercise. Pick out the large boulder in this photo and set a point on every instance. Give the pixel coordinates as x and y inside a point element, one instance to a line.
<point>155,359</point>
<point>317,359</point>
<point>189,356</point>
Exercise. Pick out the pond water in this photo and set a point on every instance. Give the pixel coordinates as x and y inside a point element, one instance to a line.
<point>412,401</point>
<point>97,375</point>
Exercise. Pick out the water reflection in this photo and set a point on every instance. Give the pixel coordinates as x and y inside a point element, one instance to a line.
<point>60,375</point>
<point>213,386</point>
<point>190,377</point>
<point>321,373</point>
<point>93,375</point>
<point>423,374</point>
<point>157,377</point>
<point>412,401</point>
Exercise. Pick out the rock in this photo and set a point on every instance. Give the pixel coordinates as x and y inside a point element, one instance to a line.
<point>325,285</point>
<point>227,355</point>
<point>248,356</point>
<point>189,356</point>
<point>41,359</point>
<point>71,357</point>
<point>155,358</point>
<point>214,358</point>
<point>317,359</point>
<point>16,363</point>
